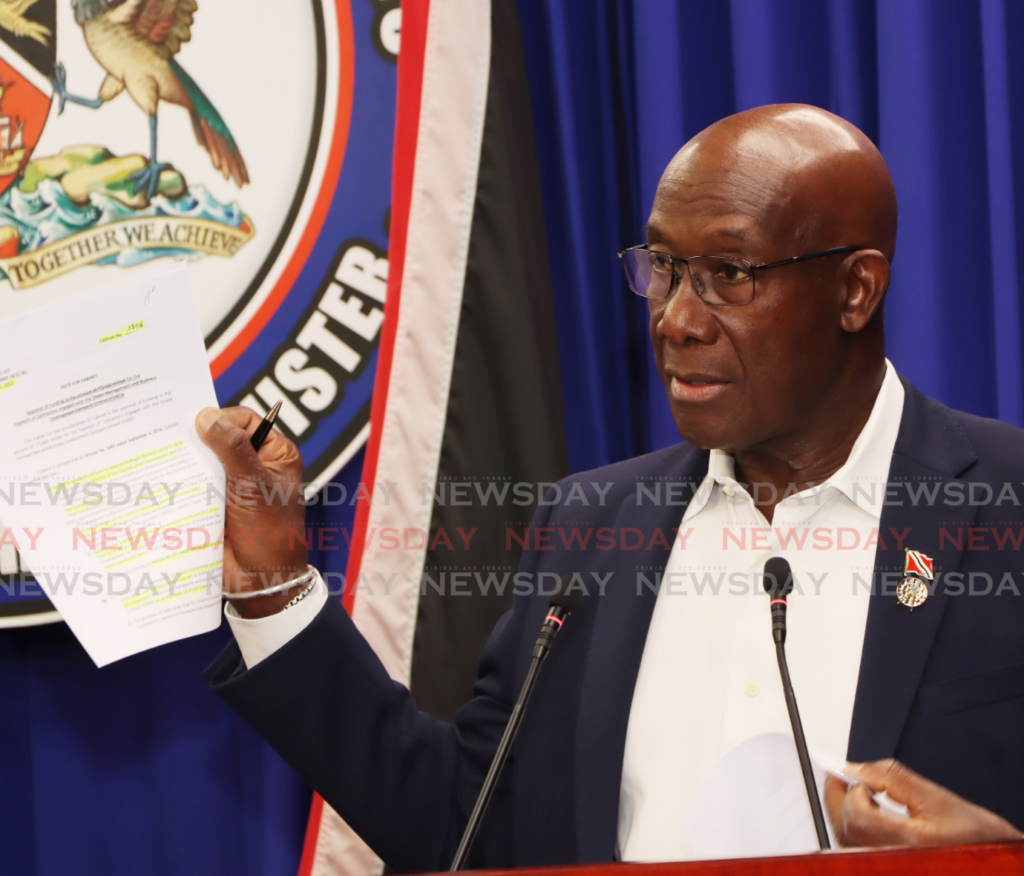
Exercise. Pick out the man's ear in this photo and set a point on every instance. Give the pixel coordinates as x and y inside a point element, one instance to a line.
<point>866,275</point>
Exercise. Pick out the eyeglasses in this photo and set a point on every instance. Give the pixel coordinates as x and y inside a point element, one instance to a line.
<point>718,280</point>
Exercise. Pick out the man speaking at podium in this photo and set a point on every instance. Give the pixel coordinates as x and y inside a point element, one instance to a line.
<point>765,269</point>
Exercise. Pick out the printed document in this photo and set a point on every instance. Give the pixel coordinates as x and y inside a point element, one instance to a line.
<point>116,505</point>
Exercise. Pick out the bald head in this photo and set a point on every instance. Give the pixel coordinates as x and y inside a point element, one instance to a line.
<point>799,363</point>
<point>804,175</point>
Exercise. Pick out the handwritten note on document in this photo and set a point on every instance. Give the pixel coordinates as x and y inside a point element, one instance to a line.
<point>117,505</point>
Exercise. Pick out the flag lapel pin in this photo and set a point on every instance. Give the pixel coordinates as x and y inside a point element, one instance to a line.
<point>912,591</point>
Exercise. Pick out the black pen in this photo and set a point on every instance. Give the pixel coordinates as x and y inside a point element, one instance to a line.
<point>263,429</point>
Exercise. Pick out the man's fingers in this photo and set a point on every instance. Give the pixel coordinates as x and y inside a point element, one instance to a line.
<point>865,824</point>
<point>277,453</point>
<point>244,418</point>
<point>854,816</point>
<point>901,783</point>
<point>226,433</point>
<point>834,792</point>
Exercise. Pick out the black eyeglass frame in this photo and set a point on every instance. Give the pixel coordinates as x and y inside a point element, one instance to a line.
<point>643,247</point>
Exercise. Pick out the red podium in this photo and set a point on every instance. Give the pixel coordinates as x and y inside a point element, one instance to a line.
<point>990,860</point>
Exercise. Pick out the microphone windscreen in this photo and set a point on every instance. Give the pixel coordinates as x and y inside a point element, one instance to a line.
<point>778,577</point>
<point>566,600</point>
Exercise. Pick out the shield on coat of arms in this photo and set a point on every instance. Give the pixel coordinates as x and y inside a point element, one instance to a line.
<point>28,53</point>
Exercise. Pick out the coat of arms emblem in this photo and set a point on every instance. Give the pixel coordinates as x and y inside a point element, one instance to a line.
<point>52,205</point>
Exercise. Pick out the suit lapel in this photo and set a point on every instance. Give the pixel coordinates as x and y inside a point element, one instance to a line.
<point>613,662</point>
<point>931,451</point>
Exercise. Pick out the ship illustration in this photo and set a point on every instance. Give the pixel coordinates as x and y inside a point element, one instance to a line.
<point>12,142</point>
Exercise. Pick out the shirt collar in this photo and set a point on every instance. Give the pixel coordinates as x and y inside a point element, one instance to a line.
<point>862,478</point>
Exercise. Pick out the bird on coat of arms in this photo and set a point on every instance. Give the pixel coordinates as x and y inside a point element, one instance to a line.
<point>135,42</point>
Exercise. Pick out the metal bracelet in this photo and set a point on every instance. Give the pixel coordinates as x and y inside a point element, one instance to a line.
<point>305,592</point>
<point>306,579</point>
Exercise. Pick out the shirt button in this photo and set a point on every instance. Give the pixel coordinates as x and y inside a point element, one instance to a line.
<point>752,689</point>
<point>729,491</point>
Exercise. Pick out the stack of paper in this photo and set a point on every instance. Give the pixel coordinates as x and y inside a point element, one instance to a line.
<point>115,503</point>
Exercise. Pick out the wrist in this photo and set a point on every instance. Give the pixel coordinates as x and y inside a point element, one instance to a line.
<point>265,606</point>
<point>261,595</point>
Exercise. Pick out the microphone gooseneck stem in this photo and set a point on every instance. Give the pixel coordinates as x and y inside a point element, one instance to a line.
<point>801,747</point>
<point>562,604</point>
<point>500,756</point>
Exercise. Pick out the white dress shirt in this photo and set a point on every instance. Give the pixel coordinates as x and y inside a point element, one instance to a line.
<point>260,637</point>
<point>709,678</point>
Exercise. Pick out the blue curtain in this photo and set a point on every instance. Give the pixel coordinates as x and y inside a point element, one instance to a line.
<point>619,86</point>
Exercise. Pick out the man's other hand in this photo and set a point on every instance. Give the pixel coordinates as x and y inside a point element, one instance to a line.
<point>265,524</point>
<point>937,817</point>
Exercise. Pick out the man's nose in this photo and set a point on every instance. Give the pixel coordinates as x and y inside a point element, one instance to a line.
<point>686,316</point>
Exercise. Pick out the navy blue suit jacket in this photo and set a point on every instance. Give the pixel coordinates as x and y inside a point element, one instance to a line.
<point>941,688</point>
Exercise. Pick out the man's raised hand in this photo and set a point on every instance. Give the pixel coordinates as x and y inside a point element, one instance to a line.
<point>265,524</point>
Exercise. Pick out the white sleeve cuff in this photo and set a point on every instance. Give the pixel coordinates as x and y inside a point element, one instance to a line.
<point>260,637</point>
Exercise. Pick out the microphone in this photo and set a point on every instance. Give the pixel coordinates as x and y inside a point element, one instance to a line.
<point>778,581</point>
<point>560,608</point>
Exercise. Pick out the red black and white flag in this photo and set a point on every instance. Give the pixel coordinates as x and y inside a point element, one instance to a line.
<point>467,393</point>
